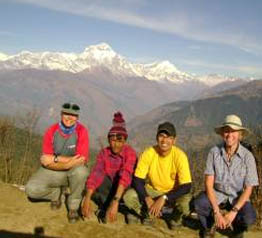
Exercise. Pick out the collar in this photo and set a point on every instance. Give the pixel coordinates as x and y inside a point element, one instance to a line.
<point>240,151</point>
<point>67,130</point>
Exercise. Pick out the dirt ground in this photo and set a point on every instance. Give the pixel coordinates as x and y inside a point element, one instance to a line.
<point>20,219</point>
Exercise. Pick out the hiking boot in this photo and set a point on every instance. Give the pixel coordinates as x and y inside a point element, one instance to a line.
<point>72,216</point>
<point>55,205</point>
<point>236,235</point>
<point>148,221</point>
<point>190,222</point>
<point>101,216</point>
<point>210,233</point>
<point>172,220</point>
<point>172,225</point>
<point>132,219</point>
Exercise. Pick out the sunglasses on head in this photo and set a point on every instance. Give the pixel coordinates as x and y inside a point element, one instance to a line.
<point>116,137</point>
<point>74,107</point>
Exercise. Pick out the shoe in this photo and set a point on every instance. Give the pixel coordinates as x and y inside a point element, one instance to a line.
<point>55,205</point>
<point>72,216</point>
<point>190,222</point>
<point>172,225</point>
<point>132,219</point>
<point>237,235</point>
<point>147,221</point>
<point>101,216</point>
<point>210,233</point>
<point>172,221</point>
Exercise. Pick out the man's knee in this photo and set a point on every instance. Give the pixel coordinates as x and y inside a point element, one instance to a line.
<point>130,197</point>
<point>80,173</point>
<point>185,199</point>
<point>247,214</point>
<point>250,219</point>
<point>33,190</point>
<point>182,203</point>
<point>202,204</point>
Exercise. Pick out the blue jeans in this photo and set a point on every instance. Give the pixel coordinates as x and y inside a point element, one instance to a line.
<point>245,217</point>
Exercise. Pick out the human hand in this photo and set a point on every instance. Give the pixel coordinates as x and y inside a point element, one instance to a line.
<point>220,221</point>
<point>86,208</point>
<point>112,210</point>
<point>157,206</point>
<point>77,160</point>
<point>229,217</point>
<point>47,160</point>
<point>149,202</point>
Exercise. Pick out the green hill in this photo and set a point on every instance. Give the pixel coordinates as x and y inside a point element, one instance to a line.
<point>195,120</point>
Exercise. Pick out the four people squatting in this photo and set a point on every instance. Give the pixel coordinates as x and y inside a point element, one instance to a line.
<point>157,184</point>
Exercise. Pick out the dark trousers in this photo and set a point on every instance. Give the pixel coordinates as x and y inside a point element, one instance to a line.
<point>105,192</point>
<point>246,215</point>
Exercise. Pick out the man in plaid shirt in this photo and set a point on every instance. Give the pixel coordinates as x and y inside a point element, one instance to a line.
<point>112,173</point>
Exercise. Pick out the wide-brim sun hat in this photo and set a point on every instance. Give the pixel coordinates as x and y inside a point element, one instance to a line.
<point>234,122</point>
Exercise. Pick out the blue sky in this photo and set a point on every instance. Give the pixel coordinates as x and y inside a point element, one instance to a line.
<point>197,36</point>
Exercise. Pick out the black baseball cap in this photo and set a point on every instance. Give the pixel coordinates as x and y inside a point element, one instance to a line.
<point>168,128</point>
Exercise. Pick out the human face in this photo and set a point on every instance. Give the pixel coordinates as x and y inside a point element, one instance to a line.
<point>231,137</point>
<point>116,142</point>
<point>68,119</point>
<point>165,142</point>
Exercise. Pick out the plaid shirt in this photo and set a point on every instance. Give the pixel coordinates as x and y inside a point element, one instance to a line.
<point>109,164</point>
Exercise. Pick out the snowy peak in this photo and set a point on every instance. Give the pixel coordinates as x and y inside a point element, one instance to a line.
<point>3,57</point>
<point>215,79</point>
<point>167,67</point>
<point>44,60</point>
<point>94,56</point>
<point>101,46</point>
<point>98,52</point>
<point>102,55</point>
<point>162,71</point>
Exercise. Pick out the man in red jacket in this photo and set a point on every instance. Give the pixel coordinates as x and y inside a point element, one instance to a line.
<point>63,162</point>
<point>112,173</point>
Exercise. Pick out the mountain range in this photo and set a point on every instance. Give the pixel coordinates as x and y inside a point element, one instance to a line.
<point>102,55</point>
<point>101,81</point>
<point>195,120</point>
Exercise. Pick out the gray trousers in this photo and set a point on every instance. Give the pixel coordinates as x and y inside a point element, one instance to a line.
<point>46,184</point>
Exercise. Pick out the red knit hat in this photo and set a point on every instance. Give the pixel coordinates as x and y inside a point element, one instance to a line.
<point>119,125</point>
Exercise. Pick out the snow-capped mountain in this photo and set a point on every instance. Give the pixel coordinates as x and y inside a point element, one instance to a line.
<point>102,55</point>
<point>93,56</point>
<point>162,71</point>
<point>215,79</point>
<point>101,81</point>
<point>3,57</point>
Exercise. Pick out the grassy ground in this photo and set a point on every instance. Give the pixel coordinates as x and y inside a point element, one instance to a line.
<point>20,218</point>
